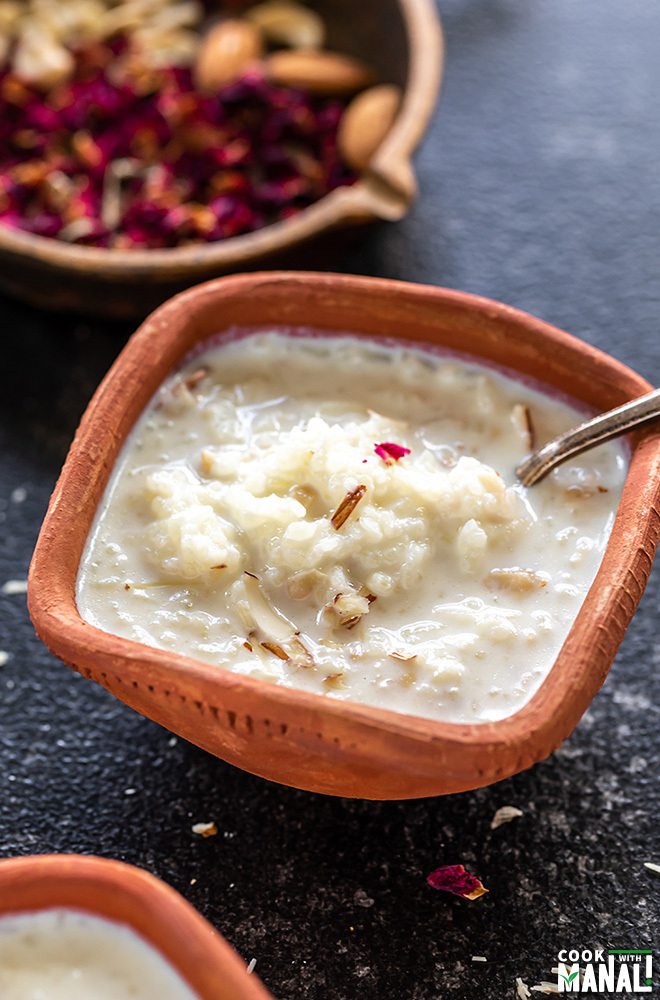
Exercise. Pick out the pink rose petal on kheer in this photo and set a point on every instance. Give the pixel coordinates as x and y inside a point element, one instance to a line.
<point>390,452</point>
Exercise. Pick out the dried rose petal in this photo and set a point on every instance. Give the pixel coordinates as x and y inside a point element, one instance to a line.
<point>11,219</point>
<point>390,453</point>
<point>455,879</point>
<point>44,224</point>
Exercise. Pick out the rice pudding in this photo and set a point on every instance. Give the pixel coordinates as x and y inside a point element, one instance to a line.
<point>62,954</point>
<point>342,515</point>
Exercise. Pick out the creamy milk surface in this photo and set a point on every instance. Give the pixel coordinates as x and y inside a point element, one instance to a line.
<point>63,954</point>
<point>342,515</point>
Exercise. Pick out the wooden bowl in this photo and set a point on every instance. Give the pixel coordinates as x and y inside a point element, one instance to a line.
<point>402,39</point>
<point>130,896</point>
<point>297,737</point>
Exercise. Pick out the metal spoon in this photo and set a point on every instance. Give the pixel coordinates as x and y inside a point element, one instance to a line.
<point>608,425</point>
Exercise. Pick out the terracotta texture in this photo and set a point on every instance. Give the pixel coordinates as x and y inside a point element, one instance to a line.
<point>131,896</point>
<point>402,39</point>
<point>299,738</point>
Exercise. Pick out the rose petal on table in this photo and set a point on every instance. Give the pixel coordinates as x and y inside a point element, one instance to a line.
<point>455,879</point>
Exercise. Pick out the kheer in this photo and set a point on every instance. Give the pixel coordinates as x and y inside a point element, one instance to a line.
<point>342,515</point>
<point>61,954</point>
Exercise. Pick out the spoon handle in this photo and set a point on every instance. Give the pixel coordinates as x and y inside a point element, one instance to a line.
<point>608,425</point>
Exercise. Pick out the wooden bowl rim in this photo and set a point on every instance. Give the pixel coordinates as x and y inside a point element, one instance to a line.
<point>580,667</point>
<point>384,191</point>
<point>151,908</point>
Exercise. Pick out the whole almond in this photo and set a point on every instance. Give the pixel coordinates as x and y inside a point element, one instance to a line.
<point>285,22</point>
<point>326,73</point>
<point>365,123</point>
<point>225,53</point>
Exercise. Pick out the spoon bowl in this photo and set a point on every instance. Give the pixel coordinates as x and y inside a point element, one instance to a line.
<point>614,423</point>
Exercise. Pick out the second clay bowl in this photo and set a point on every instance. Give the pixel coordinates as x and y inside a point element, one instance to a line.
<point>132,898</point>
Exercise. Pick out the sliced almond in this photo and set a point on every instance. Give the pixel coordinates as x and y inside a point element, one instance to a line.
<point>522,420</point>
<point>75,230</point>
<point>122,19</point>
<point>205,829</point>
<point>277,650</point>
<point>326,73</point>
<point>399,654</point>
<point>521,581</point>
<point>58,189</point>
<point>271,622</point>
<point>39,58</point>
<point>193,380</point>
<point>177,15</point>
<point>581,491</point>
<point>365,123</point>
<point>308,496</point>
<point>301,585</point>
<point>300,654</point>
<point>111,203</point>
<point>347,609</point>
<point>504,815</point>
<point>281,637</point>
<point>226,52</point>
<point>335,681</point>
<point>206,460</point>
<point>160,48</point>
<point>347,506</point>
<point>285,22</point>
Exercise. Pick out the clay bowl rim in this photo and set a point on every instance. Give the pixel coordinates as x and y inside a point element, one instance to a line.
<point>151,908</point>
<point>384,191</point>
<point>532,732</point>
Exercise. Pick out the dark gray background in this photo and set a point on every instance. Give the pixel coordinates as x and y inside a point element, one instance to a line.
<point>540,187</point>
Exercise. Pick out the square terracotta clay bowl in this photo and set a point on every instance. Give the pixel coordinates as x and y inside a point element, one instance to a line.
<point>300,738</point>
<point>402,41</point>
<point>128,896</point>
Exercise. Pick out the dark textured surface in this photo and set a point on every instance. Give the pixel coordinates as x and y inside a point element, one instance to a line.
<point>540,187</point>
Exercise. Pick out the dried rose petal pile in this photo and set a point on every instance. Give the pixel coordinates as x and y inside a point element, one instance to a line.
<point>102,164</point>
<point>116,141</point>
